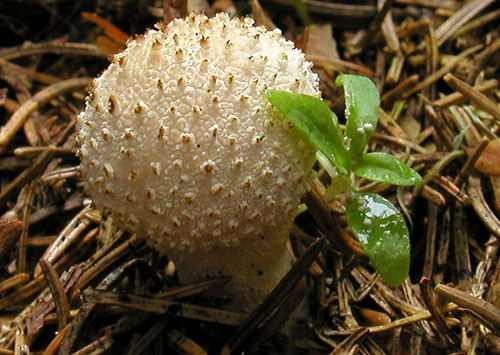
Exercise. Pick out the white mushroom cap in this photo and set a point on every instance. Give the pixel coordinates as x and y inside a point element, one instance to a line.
<point>179,145</point>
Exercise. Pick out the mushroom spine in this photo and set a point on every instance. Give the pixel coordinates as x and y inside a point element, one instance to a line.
<point>179,145</point>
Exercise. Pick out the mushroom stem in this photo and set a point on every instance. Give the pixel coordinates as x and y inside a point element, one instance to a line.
<point>254,270</point>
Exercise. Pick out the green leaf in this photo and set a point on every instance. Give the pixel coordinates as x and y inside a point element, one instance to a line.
<point>381,230</point>
<point>301,9</point>
<point>362,102</point>
<point>384,167</point>
<point>314,119</point>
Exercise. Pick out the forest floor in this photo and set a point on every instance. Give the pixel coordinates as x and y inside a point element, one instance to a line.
<point>72,282</point>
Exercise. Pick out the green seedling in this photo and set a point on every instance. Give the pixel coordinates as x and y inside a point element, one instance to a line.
<point>379,226</point>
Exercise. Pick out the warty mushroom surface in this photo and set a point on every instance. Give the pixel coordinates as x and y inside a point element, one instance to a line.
<point>179,145</point>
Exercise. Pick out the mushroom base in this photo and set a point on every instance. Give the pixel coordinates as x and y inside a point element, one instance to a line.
<point>254,271</point>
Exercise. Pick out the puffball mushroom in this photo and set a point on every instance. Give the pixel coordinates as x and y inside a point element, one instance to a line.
<point>179,145</point>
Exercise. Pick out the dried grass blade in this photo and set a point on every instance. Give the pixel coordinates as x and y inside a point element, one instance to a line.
<point>418,317</point>
<point>448,185</point>
<point>436,168</point>
<point>395,69</point>
<point>458,98</point>
<point>21,346</point>
<point>399,142</point>
<point>275,322</point>
<point>22,245</point>
<point>110,281</point>
<point>483,308</point>
<point>477,23</point>
<point>97,347</point>
<point>390,125</point>
<point>184,344</point>
<point>431,4</point>
<point>66,152</point>
<point>468,167</point>
<point>141,344</point>
<point>20,116</point>
<point>433,196</point>
<point>111,30</point>
<point>388,28</point>
<point>27,175</point>
<point>46,303</point>
<point>40,77</point>
<point>192,289</point>
<point>54,345</point>
<point>474,95</point>
<point>460,238</point>
<point>67,236</point>
<point>442,71</point>
<point>437,316</point>
<point>340,65</point>
<point>51,47</point>
<point>154,305</point>
<point>24,292</point>
<point>395,93</point>
<point>58,293</point>
<point>460,18</point>
<point>481,206</point>
<point>14,281</point>
<point>104,259</point>
<point>360,12</point>
<point>367,35</point>
<point>350,341</point>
